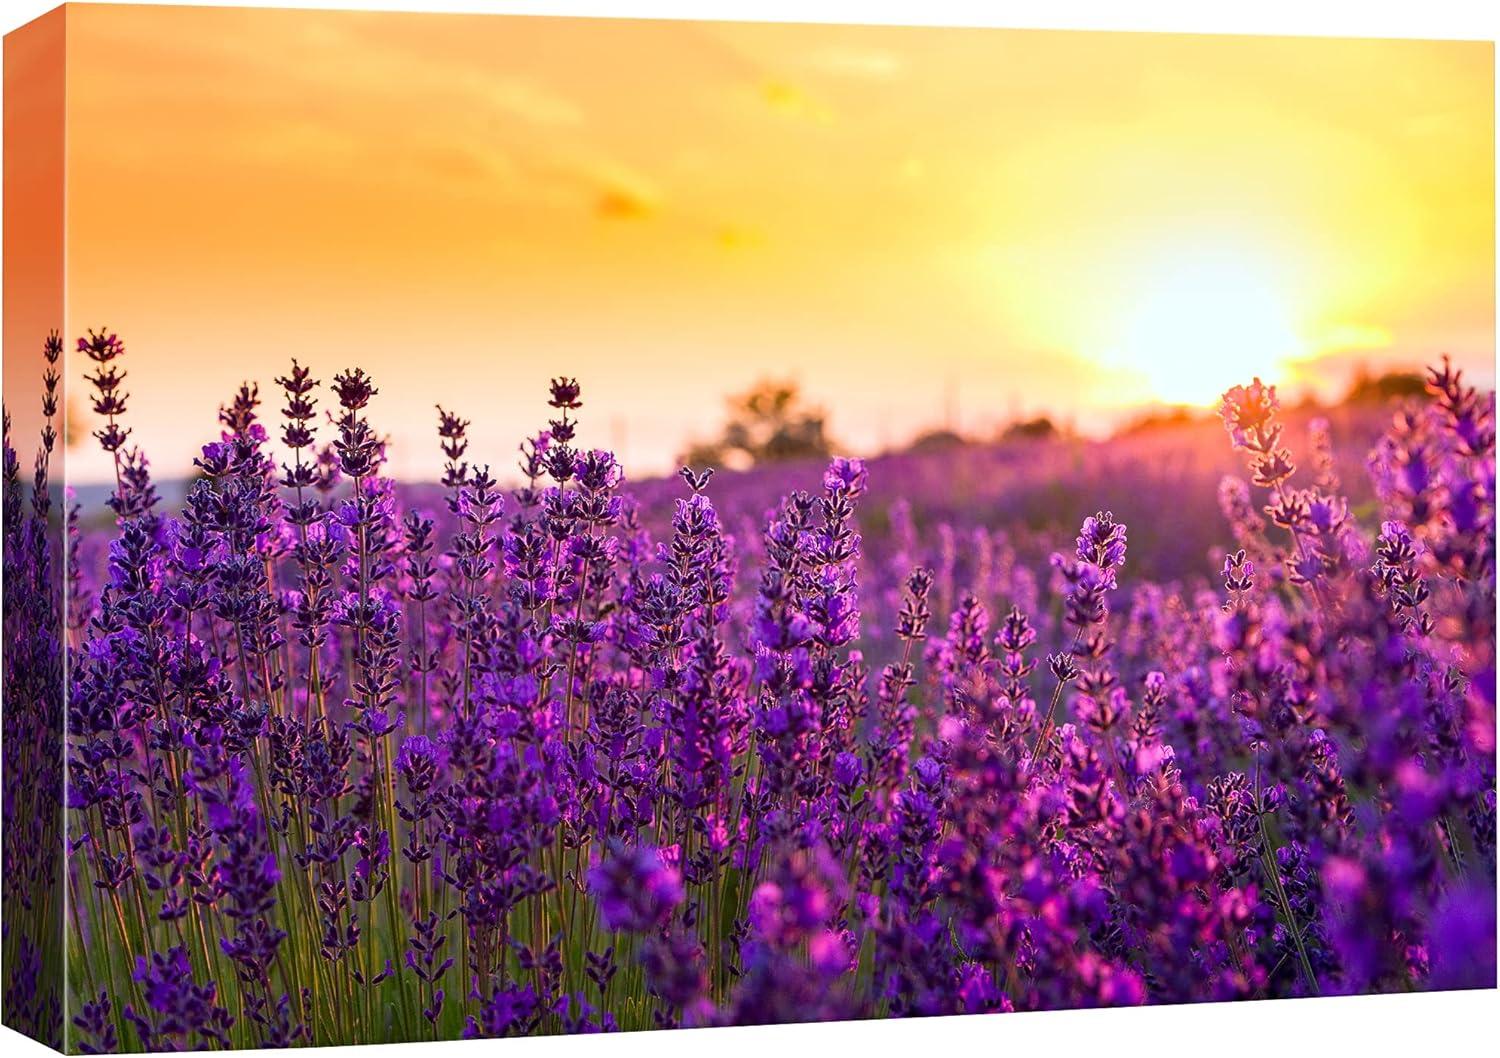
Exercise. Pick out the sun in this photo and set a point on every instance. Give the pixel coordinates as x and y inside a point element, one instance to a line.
<point>1204,321</point>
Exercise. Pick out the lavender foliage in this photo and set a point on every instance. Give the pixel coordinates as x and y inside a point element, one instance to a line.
<point>349,760</point>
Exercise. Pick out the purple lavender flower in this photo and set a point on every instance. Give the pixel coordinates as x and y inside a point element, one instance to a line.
<point>636,890</point>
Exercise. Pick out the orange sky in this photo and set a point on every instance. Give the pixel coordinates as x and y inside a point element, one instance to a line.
<point>465,205</point>
<point>33,258</point>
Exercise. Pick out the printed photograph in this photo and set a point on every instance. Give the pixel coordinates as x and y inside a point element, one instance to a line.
<point>526,525</point>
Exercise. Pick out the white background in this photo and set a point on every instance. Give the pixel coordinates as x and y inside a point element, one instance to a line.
<point>1418,1026</point>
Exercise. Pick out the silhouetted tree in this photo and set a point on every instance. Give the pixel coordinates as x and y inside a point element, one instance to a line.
<point>939,440</point>
<point>1378,389</point>
<point>767,424</point>
<point>1038,429</point>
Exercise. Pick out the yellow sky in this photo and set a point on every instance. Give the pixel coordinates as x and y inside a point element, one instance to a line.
<point>465,205</point>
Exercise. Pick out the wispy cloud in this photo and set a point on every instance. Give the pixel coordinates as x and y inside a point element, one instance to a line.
<point>528,100</point>
<point>847,60</point>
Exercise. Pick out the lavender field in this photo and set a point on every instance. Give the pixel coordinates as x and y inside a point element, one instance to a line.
<point>1166,719</point>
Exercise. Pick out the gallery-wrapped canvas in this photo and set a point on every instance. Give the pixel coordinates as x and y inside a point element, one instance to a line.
<point>519,526</point>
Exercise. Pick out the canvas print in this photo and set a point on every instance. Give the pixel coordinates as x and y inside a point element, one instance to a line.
<point>519,525</point>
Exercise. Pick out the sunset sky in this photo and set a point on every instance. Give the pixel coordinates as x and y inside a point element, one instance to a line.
<point>915,224</point>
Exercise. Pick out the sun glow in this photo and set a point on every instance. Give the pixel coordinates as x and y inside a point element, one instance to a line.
<point>1203,322</point>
